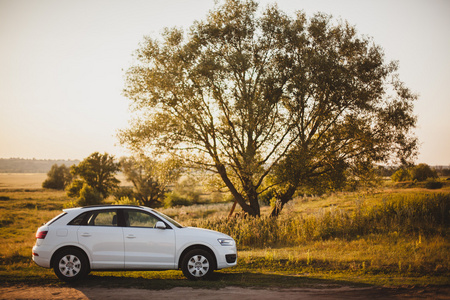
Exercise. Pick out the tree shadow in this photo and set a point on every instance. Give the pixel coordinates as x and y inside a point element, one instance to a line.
<point>157,280</point>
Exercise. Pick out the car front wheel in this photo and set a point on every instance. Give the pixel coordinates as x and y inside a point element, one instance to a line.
<point>70,265</point>
<point>197,264</point>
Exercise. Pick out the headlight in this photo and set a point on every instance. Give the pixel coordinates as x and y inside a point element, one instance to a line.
<point>226,242</point>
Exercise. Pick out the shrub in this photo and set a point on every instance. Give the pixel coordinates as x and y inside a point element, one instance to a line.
<point>74,188</point>
<point>422,172</point>
<point>127,201</point>
<point>433,184</point>
<point>175,199</point>
<point>57,178</point>
<point>400,175</point>
<point>89,196</point>
<point>123,192</point>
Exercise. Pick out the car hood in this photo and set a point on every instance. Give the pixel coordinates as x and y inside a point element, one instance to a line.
<point>204,232</point>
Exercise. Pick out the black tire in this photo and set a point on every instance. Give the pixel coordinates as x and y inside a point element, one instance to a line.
<point>70,265</point>
<point>197,264</point>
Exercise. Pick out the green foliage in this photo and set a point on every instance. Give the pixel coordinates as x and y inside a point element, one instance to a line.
<point>89,196</point>
<point>127,201</point>
<point>419,173</point>
<point>422,172</point>
<point>74,188</point>
<point>401,175</point>
<point>98,172</point>
<point>244,92</point>
<point>150,177</point>
<point>184,193</point>
<point>85,194</point>
<point>57,178</point>
<point>175,199</point>
<point>123,192</point>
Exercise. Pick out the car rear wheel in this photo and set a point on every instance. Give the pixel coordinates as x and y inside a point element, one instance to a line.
<point>197,264</point>
<point>70,265</point>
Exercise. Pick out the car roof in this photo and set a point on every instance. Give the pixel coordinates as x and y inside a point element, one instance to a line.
<point>95,207</point>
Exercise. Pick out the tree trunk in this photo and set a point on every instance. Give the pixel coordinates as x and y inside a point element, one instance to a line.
<point>232,209</point>
<point>282,200</point>
<point>251,209</point>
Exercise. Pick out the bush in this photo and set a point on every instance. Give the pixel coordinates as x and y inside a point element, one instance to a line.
<point>175,199</point>
<point>400,175</point>
<point>57,178</point>
<point>422,172</point>
<point>123,192</point>
<point>127,201</point>
<point>433,184</point>
<point>74,188</point>
<point>89,196</point>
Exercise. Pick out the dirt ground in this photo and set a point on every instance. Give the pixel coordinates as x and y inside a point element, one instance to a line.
<point>26,292</point>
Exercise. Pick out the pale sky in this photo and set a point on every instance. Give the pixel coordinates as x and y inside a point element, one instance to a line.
<point>62,66</point>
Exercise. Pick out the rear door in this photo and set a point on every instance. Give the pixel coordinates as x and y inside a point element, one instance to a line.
<point>103,238</point>
<point>147,247</point>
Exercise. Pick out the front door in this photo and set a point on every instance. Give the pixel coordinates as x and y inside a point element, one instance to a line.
<point>147,247</point>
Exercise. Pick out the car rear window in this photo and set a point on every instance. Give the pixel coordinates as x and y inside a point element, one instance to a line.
<point>79,219</point>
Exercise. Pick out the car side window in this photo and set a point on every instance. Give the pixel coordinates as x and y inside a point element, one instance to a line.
<point>96,218</point>
<point>103,218</point>
<point>136,218</point>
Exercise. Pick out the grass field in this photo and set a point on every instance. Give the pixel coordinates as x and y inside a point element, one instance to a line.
<point>22,180</point>
<point>391,237</point>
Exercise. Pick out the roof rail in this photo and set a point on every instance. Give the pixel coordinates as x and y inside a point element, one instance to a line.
<point>111,205</point>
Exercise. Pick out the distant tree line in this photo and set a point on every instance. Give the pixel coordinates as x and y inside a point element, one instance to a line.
<point>21,165</point>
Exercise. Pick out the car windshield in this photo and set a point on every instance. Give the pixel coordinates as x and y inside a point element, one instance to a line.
<point>172,221</point>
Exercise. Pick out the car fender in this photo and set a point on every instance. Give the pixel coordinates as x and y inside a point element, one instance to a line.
<point>71,245</point>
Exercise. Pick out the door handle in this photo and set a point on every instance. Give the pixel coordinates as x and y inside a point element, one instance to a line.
<point>130,236</point>
<point>86,234</point>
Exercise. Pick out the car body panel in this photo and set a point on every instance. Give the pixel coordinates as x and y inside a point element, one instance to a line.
<point>105,246</point>
<point>149,248</point>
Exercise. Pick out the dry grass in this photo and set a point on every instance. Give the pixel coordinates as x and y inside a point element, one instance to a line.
<point>334,237</point>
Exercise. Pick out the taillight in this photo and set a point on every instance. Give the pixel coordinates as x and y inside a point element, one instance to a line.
<point>41,234</point>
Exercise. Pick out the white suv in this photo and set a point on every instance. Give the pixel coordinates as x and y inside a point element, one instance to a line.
<point>128,238</point>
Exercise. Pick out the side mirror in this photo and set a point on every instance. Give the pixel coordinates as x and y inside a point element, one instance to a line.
<point>160,225</point>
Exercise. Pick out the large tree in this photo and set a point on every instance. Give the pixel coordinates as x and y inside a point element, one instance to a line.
<point>246,95</point>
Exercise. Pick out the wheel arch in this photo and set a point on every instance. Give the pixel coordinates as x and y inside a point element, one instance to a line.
<point>52,260</point>
<point>198,246</point>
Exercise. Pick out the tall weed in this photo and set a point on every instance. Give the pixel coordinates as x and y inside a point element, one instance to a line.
<point>408,214</point>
